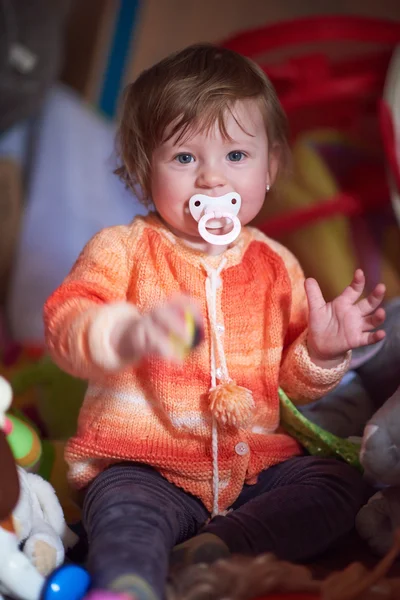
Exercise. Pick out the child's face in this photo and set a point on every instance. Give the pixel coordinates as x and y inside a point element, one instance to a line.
<point>209,164</point>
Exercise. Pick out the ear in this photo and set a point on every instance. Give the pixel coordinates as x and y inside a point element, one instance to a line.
<point>46,496</point>
<point>274,158</point>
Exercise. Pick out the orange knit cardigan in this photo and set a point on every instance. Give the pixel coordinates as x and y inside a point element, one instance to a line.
<point>157,412</point>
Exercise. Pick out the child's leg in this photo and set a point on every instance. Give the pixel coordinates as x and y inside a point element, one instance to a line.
<point>133,517</point>
<point>297,510</point>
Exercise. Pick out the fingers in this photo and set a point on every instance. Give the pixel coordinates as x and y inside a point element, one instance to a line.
<point>368,305</point>
<point>150,338</point>
<point>170,320</point>
<point>373,337</point>
<point>354,291</point>
<point>314,295</point>
<point>186,304</point>
<point>375,320</point>
<point>167,330</point>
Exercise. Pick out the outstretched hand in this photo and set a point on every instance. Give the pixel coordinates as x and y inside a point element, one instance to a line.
<point>345,323</point>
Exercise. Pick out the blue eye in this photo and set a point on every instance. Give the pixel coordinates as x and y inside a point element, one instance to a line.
<point>184,159</point>
<point>236,156</point>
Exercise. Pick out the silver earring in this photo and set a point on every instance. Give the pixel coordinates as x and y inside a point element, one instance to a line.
<point>268,187</point>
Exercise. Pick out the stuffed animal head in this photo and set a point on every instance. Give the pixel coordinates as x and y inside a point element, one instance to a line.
<point>380,449</point>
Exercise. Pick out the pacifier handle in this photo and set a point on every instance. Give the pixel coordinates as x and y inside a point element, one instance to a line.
<point>219,240</point>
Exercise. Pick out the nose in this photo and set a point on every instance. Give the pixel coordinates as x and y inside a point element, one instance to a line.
<point>210,177</point>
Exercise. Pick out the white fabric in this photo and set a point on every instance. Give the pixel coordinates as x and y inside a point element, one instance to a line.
<point>38,516</point>
<point>73,193</point>
<point>18,577</point>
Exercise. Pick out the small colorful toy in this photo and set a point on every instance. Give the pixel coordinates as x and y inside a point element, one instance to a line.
<point>18,576</point>
<point>52,397</point>
<point>24,442</point>
<point>195,334</point>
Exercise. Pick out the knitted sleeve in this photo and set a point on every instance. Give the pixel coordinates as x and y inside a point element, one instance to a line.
<point>301,379</point>
<point>81,313</point>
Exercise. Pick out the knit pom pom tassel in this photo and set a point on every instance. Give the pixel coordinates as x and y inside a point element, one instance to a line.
<point>231,404</point>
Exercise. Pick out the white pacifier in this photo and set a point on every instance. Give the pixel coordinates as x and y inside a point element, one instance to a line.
<point>208,211</point>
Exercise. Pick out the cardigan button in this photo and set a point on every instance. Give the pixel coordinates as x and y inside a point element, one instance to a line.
<point>241,448</point>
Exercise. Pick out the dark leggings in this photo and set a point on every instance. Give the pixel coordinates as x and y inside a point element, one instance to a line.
<point>297,509</point>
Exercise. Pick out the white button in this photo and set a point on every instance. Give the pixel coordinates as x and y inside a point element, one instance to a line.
<point>220,328</point>
<point>241,448</point>
<point>218,373</point>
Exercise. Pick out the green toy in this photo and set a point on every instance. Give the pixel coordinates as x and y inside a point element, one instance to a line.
<point>59,396</point>
<point>314,439</point>
<point>24,442</point>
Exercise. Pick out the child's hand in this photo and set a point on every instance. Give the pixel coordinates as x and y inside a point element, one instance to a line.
<point>346,322</point>
<point>163,332</point>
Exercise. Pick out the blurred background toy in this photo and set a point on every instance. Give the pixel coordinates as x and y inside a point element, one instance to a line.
<point>19,577</point>
<point>39,523</point>
<point>380,458</point>
<point>56,395</point>
<point>335,211</point>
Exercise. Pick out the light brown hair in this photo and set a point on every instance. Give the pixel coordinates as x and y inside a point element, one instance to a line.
<point>188,92</point>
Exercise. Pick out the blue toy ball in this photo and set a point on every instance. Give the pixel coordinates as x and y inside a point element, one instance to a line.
<point>68,582</point>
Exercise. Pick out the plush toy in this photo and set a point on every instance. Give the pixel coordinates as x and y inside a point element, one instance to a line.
<point>380,457</point>
<point>39,523</point>
<point>38,517</point>
<point>19,578</point>
<point>43,457</point>
<point>44,414</point>
<point>380,448</point>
